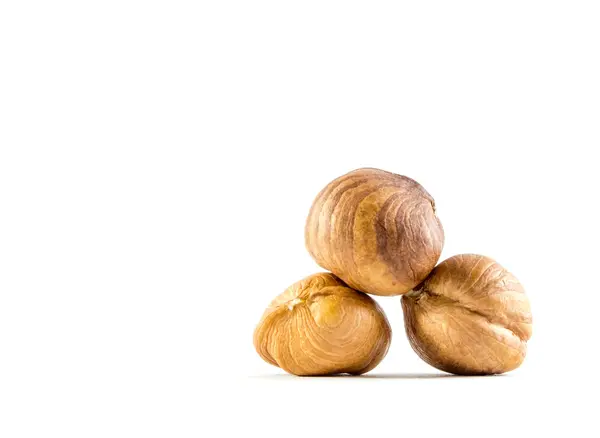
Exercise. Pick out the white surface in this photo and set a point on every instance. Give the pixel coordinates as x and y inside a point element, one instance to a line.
<point>158,160</point>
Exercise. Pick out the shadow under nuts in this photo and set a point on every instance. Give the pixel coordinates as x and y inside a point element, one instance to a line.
<point>470,316</point>
<point>376,230</point>
<point>320,326</point>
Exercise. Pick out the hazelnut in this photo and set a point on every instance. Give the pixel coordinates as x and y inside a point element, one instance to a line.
<point>470,316</point>
<point>320,326</point>
<point>376,230</point>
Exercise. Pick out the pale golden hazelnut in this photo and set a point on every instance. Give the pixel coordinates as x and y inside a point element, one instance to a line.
<point>376,230</point>
<point>470,316</point>
<point>320,326</point>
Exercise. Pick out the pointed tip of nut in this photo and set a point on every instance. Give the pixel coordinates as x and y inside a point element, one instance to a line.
<point>293,303</point>
<point>414,293</point>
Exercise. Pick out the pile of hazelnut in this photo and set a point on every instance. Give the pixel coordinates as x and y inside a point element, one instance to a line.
<point>378,233</point>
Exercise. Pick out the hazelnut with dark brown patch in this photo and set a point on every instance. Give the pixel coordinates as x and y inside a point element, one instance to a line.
<point>376,230</point>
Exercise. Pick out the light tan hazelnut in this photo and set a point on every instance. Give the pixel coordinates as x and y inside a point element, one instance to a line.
<point>376,230</point>
<point>320,326</point>
<point>470,316</point>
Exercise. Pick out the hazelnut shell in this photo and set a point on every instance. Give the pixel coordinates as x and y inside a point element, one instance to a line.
<point>376,230</point>
<point>320,326</point>
<point>470,316</point>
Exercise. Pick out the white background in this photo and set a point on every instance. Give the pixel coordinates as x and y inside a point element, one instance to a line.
<point>157,163</point>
